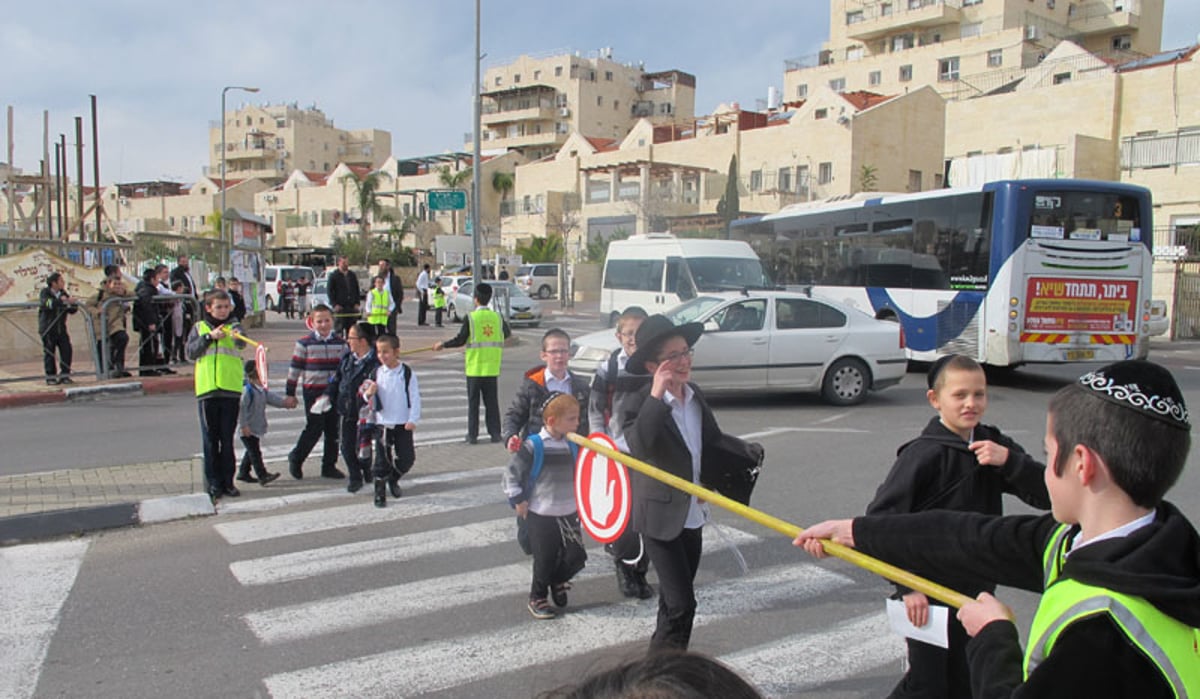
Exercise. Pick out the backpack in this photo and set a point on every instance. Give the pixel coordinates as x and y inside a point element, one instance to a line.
<point>539,457</point>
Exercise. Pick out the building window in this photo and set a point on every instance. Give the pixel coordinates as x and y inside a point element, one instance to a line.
<point>784,179</point>
<point>616,105</point>
<point>902,42</point>
<point>516,78</point>
<point>948,69</point>
<point>995,58</point>
<point>875,77</point>
<point>825,173</point>
<point>1122,42</point>
<point>755,180</point>
<point>599,101</point>
<point>838,84</point>
<point>967,3</point>
<point>558,71</point>
<point>914,180</point>
<point>592,76</point>
<point>854,17</point>
<point>664,108</point>
<point>802,91</point>
<point>906,73</point>
<point>854,53</point>
<point>497,80</point>
<point>537,75</point>
<point>802,178</point>
<point>970,29</point>
<point>885,9</point>
<point>1060,78</point>
<point>821,113</point>
<point>608,75</point>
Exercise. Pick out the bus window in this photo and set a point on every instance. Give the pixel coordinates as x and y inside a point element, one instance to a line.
<point>1085,216</point>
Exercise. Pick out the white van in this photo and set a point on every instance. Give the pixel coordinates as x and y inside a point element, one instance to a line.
<point>273,273</point>
<point>658,271</point>
<point>538,279</point>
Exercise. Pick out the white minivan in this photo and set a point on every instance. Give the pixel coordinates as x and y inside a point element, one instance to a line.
<point>658,271</point>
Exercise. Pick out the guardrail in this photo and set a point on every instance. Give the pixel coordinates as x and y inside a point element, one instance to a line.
<point>7,308</point>
<point>103,363</point>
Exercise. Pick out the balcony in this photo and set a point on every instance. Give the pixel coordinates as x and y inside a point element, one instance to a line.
<point>1104,17</point>
<point>238,151</point>
<point>903,15</point>
<point>494,116</point>
<point>546,138</point>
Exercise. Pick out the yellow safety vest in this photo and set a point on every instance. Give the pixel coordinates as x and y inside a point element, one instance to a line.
<point>485,345</point>
<point>439,298</point>
<point>1170,644</point>
<point>220,367</point>
<point>379,307</point>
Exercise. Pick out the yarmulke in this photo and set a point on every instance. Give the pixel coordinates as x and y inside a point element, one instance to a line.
<point>936,368</point>
<point>1142,386</point>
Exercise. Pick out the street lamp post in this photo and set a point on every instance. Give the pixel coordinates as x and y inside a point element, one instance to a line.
<point>225,184</point>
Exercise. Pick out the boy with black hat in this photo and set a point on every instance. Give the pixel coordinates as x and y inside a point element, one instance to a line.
<point>1118,567</point>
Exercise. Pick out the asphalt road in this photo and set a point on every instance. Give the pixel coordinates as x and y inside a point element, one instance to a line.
<point>335,598</point>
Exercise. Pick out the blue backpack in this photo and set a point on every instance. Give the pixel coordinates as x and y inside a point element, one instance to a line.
<point>539,456</point>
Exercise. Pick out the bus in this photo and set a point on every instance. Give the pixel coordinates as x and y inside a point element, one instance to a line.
<point>1008,273</point>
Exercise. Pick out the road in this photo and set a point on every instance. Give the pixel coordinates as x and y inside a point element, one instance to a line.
<point>329,597</point>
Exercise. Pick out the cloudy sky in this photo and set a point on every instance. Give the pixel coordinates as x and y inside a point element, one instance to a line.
<point>404,66</point>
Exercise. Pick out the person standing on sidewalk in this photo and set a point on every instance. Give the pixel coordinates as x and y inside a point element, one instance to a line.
<point>483,332</point>
<point>439,301</point>
<point>423,295</point>
<point>54,303</point>
<point>112,323</point>
<point>396,288</point>
<point>314,360</point>
<point>344,294</point>
<point>146,323</point>
<point>183,273</point>
<point>218,379</point>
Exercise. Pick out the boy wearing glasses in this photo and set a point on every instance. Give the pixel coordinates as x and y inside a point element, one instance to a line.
<point>524,416</point>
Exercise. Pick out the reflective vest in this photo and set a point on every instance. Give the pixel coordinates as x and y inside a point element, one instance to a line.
<point>1172,646</point>
<point>439,300</point>
<point>485,344</point>
<point>220,367</point>
<point>379,307</point>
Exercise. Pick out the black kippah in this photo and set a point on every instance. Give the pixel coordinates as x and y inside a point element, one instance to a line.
<point>1140,385</point>
<point>936,368</point>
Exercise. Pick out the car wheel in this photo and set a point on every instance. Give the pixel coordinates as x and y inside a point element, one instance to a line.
<point>544,291</point>
<point>846,382</point>
<point>453,313</point>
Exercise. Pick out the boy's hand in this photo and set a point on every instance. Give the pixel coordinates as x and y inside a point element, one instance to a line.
<point>246,431</point>
<point>989,453</point>
<point>215,334</point>
<point>290,402</point>
<point>840,531</point>
<point>514,444</point>
<point>983,611</point>
<point>916,604</point>
<point>410,426</point>
<point>369,388</point>
<point>523,509</point>
<point>437,347</point>
<point>664,380</point>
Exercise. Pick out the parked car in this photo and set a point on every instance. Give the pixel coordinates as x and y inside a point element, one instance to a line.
<point>319,294</point>
<point>778,341</point>
<point>539,279</point>
<point>450,284</point>
<point>522,309</point>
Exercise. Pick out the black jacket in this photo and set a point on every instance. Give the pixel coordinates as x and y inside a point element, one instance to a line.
<point>524,415</point>
<point>52,312</point>
<point>349,377</point>
<point>1092,657</point>
<point>179,274</point>
<point>239,306</point>
<point>343,290</point>
<point>936,471</point>
<point>144,312</point>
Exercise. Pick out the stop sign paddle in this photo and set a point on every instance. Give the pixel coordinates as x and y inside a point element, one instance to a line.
<point>602,492</point>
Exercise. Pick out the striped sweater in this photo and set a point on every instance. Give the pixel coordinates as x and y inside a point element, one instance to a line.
<point>313,362</point>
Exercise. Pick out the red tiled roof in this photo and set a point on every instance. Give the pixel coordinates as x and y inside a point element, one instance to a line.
<point>229,182</point>
<point>602,144</point>
<point>861,99</point>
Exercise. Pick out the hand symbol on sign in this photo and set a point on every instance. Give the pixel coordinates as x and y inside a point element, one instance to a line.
<point>601,491</point>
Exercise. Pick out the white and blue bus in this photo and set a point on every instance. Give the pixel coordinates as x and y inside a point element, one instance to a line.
<point>1012,272</point>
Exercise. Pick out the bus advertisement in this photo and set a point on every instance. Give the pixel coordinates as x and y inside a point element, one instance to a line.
<point>1012,272</point>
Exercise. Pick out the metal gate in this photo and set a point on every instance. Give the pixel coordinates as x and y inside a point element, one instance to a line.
<point>1185,322</point>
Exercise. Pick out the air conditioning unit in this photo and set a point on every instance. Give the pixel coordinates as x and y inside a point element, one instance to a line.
<point>564,111</point>
<point>1033,33</point>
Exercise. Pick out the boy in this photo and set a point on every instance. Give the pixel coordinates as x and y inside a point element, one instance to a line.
<point>239,301</point>
<point>396,400</point>
<point>956,463</point>
<point>1120,611</point>
<point>439,301</point>
<point>483,332</point>
<point>344,394</point>
<point>547,504</point>
<point>314,360</point>
<point>524,416</point>
<point>113,323</point>
<point>253,421</point>
<point>54,303</point>
<point>379,306</point>
<point>218,380</point>
<point>611,386</point>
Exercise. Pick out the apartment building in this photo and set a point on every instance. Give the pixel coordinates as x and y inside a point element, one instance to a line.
<point>269,142</point>
<point>533,103</point>
<point>965,48</point>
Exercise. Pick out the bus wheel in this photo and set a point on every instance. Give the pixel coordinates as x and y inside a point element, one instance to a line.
<point>846,382</point>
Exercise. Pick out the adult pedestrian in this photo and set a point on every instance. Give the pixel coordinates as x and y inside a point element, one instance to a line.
<point>302,285</point>
<point>344,295</point>
<point>54,303</point>
<point>483,332</point>
<point>396,288</point>
<point>167,321</point>
<point>422,295</point>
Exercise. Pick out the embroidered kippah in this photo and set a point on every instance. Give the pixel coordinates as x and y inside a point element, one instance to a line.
<point>1142,386</point>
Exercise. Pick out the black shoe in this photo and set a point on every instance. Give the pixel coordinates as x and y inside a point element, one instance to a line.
<point>644,591</point>
<point>394,488</point>
<point>332,473</point>
<point>380,493</point>
<point>354,486</point>
<point>52,381</point>
<point>497,440</point>
<point>123,374</point>
<point>215,494</point>
<point>65,379</point>
<point>468,440</point>
<point>368,477</point>
<point>232,491</point>
<point>626,579</point>
<point>166,370</point>
<point>246,478</point>
<point>294,469</point>
<point>267,478</point>
<point>558,593</point>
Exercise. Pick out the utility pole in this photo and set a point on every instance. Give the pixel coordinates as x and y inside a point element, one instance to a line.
<point>476,268</point>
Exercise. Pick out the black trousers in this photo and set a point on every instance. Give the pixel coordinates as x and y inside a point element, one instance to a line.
<point>343,320</point>
<point>355,468</point>
<point>252,457</point>
<point>218,420</point>
<point>148,355</point>
<point>937,673</point>
<point>117,342</point>
<point>676,561</point>
<point>558,553</point>
<point>422,305</point>
<point>483,387</point>
<point>317,426</point>
<point>394,453</point>
<point>56,342</point>
<point>437,316</point>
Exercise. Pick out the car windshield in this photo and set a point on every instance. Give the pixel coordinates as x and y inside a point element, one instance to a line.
<point>691,310</point>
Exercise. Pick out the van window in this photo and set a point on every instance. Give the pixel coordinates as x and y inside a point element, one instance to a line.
<point>714,273</point>
<point>545,271</point>
<point>634,275</point>
<point>271,274</point>
<point>523,270</point>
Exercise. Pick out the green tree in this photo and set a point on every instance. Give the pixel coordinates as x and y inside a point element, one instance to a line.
<point>454,179</point>
<point>729,206</point>
<point>597,251</point>
<point>503,184</point>
<point>868,178</point>
<point>366,189</point>
<point>548,249</point>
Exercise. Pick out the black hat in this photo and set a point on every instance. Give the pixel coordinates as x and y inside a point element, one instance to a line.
<point>652,333</point>
<point>1142,386</point>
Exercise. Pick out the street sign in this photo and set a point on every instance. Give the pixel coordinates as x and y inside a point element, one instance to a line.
<point>447,200</point>
<point>602,492</point>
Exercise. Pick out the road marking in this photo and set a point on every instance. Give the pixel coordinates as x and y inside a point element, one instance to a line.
<point>431,667</point>
<point>791,665</point>
<point>37,580</point>
<point>831,418</point>
<point>772,431</point>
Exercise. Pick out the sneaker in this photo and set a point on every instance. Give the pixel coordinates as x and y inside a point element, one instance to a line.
<point>246,478</point>
<point>558,593</point>
<point>267,478</point>
<point>540,609</point>
<point>333,473</point>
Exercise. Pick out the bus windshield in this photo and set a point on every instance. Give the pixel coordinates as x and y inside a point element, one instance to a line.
<point>717,273</point>
<point>1067,215</point>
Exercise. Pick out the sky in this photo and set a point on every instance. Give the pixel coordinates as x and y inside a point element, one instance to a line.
<point>405,66</point>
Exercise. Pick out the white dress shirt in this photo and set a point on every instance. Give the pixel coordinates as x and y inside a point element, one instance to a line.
<point>688,419</point>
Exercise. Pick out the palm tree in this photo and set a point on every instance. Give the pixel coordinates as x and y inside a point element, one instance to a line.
<point>366,188</point>
<point>548,249</point>
<point>453,179</point>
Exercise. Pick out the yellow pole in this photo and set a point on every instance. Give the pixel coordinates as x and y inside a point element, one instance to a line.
<point>419,349</point>
<point>243,338</point>
<point>887,570</point>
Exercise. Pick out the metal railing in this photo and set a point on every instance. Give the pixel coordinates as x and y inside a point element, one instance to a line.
<point>6,308</point>
<point>103,363</point>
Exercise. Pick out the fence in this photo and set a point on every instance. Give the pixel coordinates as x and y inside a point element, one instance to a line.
<point>30,308</point>
<point>104,360</point>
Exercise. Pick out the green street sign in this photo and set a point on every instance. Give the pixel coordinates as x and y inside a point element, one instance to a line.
<point>447,200</point>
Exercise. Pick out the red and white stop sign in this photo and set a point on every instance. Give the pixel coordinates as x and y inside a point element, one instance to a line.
<point>602,492</point>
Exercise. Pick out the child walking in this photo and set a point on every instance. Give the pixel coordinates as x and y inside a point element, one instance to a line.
<point>253,421</point>
<point>546,501</point>
<point>396,400</point>
<point>956,463</point>
<point>218,379</point>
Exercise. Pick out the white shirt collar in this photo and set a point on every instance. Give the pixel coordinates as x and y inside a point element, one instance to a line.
<point>1123,530</point>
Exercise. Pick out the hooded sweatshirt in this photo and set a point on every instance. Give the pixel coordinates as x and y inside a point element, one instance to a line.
<point>1092,657</point>
<point>524,416</point>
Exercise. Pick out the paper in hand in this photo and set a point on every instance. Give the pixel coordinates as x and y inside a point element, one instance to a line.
<point>933,632</point>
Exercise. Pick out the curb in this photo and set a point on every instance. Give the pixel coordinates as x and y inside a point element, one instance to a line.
<point>22,529</point>
<point>99,392</point>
